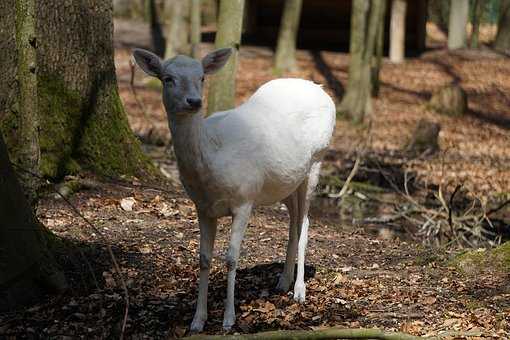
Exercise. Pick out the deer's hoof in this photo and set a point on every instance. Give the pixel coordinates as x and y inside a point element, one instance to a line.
<point>299,293</point>
<point>197,325</point>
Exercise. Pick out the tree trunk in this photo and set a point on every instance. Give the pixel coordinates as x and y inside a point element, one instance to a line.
<point>379,50</point>
<point>222,86</point>
<point>209,11</point>
<point>28,153</point>
<point>158,40</point>
<point>285,59</point>
<point>177,28</point>
<point>478,6</point>
<point>357,103</point>
<point>82,121</point>
<point>398,31</point>
<point>439,13</point>
<point>27,267</point>
<point>459,14</point>
<point>502,42</point>
<point>195,28</point>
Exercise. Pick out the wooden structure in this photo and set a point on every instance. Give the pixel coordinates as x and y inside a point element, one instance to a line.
<point>325,24</point>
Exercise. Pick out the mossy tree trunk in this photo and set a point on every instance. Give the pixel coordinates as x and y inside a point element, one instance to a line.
<point>82,120</point>
<point>398,30</point>
<point>195,27</point>
<point>459,14</point>
<point>285,58</point>
<point>222,85</point>
<point>366,15</point>
<point>177,28</point>
<point>502,42</point>
<point>27,137</point>
<point>27,267</point>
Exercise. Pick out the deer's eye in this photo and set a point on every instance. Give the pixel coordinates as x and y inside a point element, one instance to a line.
<point>202,80</point>
<point>169,80</point>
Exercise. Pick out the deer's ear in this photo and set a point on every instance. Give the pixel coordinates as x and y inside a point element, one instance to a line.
<point>148,62</point>
<point>216,60</point>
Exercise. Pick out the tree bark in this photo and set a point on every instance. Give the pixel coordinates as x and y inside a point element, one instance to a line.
<point>321,334</point>
<point>209,11</point>
<point>177,28</point>
<point>158,40</point>
<point>222,85</point>
<point>357,103</point>
<point>398,30</point>
<point>195,28</point>
<point>285,58</point>
<point>379,50</point>
<point>82,121</point>
<point>478,6</point>
<point>502,42</point>
<point>459,15</point>
<point>27,267</point>
<point>28,154</point>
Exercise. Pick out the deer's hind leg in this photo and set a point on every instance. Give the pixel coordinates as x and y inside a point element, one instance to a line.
<point>287,276</point>
<point>305,193</point>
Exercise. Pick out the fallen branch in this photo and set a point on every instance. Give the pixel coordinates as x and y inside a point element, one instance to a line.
<point>323,334</point>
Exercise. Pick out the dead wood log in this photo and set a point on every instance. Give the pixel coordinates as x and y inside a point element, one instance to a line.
<point>323,334</point>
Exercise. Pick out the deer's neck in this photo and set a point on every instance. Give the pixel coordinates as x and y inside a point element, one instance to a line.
<point>186,135</point>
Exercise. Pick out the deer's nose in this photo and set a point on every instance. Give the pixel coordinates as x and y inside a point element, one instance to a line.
<point>194,103</point>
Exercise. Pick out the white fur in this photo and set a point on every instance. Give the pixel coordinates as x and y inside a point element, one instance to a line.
<point>267,150</point>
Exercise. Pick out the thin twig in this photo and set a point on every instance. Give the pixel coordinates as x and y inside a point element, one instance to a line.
<point>141,106</point>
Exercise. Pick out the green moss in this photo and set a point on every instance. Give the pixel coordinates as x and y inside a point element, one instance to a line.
<point>108,146</point>
<point>474,261</point>
<point>60,111</point>
<point>77,135</point>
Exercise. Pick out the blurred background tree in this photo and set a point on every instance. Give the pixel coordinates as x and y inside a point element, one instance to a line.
<point>285,55</point>
<point>222,85</point>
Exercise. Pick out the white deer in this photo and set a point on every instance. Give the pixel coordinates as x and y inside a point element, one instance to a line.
<point>267,150</point>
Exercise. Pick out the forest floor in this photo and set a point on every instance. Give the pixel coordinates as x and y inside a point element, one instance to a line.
<point>355,277</point>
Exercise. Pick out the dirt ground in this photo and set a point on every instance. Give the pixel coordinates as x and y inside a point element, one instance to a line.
<point>354,278</point>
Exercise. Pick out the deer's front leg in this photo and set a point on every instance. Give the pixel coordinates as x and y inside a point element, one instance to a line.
<point>207,235</point>
<point>241,215</point>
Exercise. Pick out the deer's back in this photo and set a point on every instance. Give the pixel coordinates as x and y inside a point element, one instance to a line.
<point>263,149</point>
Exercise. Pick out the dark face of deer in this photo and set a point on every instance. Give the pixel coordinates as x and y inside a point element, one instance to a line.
<point>182,77</point>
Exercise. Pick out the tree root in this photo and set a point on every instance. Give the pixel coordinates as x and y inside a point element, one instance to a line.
<point>323,334</point>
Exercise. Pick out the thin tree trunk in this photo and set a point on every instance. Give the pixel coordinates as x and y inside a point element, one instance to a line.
<point>177,31</point>
<point>28,153</point>
<point>398,30</point>
<point>82,121</point>
<point>158,40</point>
<point>285,58</point>
<point>209,12</point>
<point>478,6</point>
<point>222,85</point>
<point>502,42</point>
<point>459,15</point>
<point>357,103</point>
<point>27,268</point>
<point>195,27</point>
<point>379,50</point>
